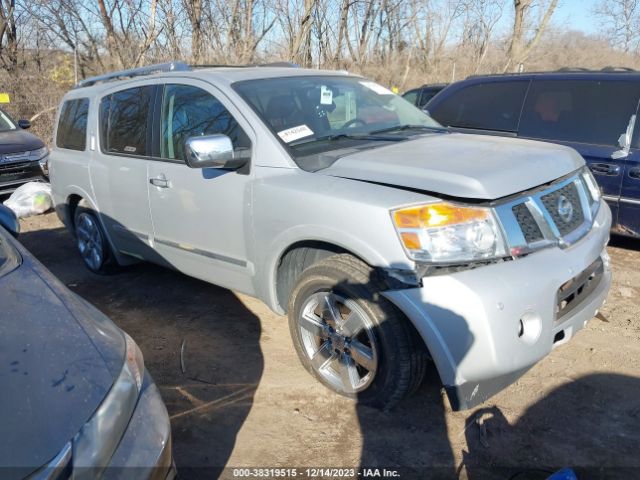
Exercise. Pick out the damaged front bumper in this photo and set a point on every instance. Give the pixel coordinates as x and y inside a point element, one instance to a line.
<point>485,327</point>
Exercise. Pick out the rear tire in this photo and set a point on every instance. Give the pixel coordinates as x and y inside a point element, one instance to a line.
<point>92,242</point>
<point>352,339</point>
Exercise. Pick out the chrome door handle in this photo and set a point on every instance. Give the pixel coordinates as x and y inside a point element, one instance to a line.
<point>604,169</point>
<point>159,182</point>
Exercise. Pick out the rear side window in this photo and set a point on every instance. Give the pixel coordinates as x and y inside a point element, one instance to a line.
<point>485,106</point>
<point>125,119</point>
<point>72,125</point>
<point>191,112</point>
<point>585,111</point>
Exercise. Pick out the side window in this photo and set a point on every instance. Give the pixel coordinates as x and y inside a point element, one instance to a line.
<point>585,111</point>
<point>191,112</point>
<point>485,106</point>
<point>412,96</point>
<point>72,126</point>
<point>124,121</point>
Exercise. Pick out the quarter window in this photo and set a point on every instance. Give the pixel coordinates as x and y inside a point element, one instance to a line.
<point>485,106</point>
<point>72,125</point>
<point>585,111</point>
<point>191,112</point>
<point>124,121</point>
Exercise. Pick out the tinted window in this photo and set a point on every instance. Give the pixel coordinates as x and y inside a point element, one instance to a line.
<point>585,111</point>
<point>124,121</point>
<point>411,96</point>
<point>427,94</point>
<point>191,112</point>
<point>488,106</point>
<point>5,122</point>
<point>72,126</point>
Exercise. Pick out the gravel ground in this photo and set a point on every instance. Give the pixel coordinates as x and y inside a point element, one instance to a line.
<point>245,401</point>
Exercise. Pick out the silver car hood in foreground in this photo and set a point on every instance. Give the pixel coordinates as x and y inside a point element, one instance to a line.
<point>460,165</point>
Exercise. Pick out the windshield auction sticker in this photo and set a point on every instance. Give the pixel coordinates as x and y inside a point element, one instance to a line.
<point>379,89</point>
<point>294,133</point>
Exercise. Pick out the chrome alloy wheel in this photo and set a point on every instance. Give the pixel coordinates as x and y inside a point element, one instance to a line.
<point>89,240</point>
<point>337,336</point>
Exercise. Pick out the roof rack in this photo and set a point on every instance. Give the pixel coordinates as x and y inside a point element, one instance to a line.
<point>134,72</point>
<point>176,66</point>
<point>618,69</point>
<point>249,65</point>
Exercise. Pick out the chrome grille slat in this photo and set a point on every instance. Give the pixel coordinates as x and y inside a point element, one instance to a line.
<point>534,221</point>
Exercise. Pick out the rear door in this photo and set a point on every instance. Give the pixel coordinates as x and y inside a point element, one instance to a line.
<point>119,168</point>
<point>589,115</point>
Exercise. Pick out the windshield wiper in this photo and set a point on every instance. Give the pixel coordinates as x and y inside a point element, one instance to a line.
<point>346,136</point>
<point>399,128</point>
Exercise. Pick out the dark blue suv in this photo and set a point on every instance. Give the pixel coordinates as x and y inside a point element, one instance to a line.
<point>591,111</point>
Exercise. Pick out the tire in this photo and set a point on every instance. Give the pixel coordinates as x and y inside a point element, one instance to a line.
<point>352,339</point>
<point>92,242</point>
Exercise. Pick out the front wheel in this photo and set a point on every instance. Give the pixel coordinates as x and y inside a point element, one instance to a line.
<point>350,338</point>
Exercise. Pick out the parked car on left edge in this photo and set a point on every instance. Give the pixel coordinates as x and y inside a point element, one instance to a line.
<point>23,156</point>
<point>77,401</point>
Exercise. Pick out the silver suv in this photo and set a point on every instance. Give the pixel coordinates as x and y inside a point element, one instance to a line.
<point>386,239</point>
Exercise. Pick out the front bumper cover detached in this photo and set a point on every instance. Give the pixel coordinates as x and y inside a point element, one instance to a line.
<point>486,327</point>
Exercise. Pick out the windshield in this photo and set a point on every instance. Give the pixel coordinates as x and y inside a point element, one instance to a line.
<point>5,122</point>
<point>313,115</point>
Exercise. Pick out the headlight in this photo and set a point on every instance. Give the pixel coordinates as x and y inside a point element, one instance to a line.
<point>591,184</point>
<point>447,233</point>
<point>38,154</point>
<point>94,445</point>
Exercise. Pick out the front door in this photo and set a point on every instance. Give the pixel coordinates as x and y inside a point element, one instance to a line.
<point>200,215</point>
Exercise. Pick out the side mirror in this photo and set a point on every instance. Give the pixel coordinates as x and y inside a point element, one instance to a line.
<point>212,151</point>
<point>9,221</point>
<point>24,124</point>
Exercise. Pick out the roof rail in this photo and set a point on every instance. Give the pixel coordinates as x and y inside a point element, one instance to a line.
<point>610,68</point>
<point>248,65</point>
<point>134,72</point>
<point>573,69</point>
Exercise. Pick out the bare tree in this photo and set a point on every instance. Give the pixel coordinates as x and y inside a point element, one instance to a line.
<point>620,20</point>
<point>521,43</point>
<point>8,35</point>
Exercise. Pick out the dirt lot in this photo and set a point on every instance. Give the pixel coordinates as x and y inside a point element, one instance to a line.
<point>245,401</point>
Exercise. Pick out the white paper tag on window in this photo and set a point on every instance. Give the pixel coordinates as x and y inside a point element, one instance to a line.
<point>294,133</point>
<point>326,95</point>
<point>379,89</point>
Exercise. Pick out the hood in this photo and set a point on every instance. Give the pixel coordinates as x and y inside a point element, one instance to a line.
<point>19,140</point>
<point>460,165</point>
<point>58,360</point>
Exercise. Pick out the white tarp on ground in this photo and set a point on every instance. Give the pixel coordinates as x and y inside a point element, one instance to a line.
<point>33,198</point>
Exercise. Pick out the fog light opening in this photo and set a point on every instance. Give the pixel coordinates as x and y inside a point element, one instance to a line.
<point>529,328</point>
<point>558,337</point>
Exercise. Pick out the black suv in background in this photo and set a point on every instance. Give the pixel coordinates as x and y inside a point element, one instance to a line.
<point>23,156</point>
<point>591,111</point>
<point>420,96</point>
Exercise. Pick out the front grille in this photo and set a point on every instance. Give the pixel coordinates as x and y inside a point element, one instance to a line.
<point>14,166</point>
<point>565,208</point>
<point>572,293</point>
<point>528,225</point>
